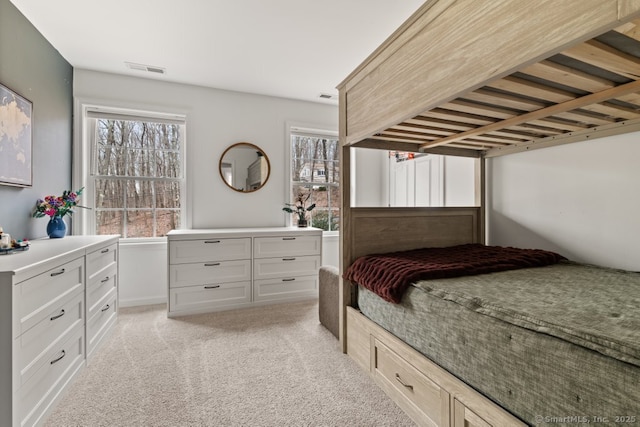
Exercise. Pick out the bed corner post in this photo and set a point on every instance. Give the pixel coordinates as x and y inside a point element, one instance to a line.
<point>345,217</point>
<point>481,196</point>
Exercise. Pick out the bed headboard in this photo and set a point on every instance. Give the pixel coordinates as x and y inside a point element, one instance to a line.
<point>379,230</point>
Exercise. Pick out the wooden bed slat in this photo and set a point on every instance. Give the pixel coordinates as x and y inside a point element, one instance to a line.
<point>599,54</point>
<point>554,109</point>
<point>534,90</point>
<point>567,76</point>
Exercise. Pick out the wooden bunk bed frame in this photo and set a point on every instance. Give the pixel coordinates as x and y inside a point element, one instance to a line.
<point>476,79</point>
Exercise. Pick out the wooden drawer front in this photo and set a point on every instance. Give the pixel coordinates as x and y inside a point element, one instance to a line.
<point>283,289</point>
<point>270,268</point>
<point>35,344</point>
<point>286,246</point>
<point>209,296</point>
<point>38,296</point>
<point>104,317</point>
<point>209,273</point>
<point>185,251</point>
<point>424,400</point>
<point>464,417</point>
<point>100,260</point>
<point>62,362</point>
<point>99,288</point>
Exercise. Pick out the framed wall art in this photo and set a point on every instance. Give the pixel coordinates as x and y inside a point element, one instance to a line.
<point>15,139</point>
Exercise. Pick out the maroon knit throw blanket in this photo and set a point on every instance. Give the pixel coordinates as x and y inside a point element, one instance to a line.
<point>389,275</point>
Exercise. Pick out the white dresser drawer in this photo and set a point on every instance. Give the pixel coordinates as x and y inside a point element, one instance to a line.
<point>37,342</point>
<point>271,247</point>
<point>100,286</point>
<point>50,377</point>
<point>37,296</point>
<point>209,273</point>
<point>209,296</point>
<point>287,288</point>
<point>188,251</point>
<point>271,268</point>
<point>100,260</point>
<point>101,320</point>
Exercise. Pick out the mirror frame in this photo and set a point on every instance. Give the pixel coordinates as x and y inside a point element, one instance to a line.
<point>248,145</point>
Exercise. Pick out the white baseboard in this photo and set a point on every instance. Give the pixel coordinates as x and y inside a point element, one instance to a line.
<point>143,301</point>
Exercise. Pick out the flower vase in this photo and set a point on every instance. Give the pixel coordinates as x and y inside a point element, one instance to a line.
<point>302,222</point>
<point>56,228</point>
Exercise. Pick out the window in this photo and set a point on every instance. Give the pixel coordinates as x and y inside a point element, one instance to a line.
<point>137,175</point>
<point>315,171</point>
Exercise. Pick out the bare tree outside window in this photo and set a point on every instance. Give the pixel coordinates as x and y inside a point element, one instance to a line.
<point>315,169</point>
<point>138,177</point>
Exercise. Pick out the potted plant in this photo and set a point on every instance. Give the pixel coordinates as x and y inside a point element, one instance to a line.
<point>299,208</point>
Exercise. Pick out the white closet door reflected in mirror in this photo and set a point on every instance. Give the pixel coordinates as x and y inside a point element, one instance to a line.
<point>396,179</point>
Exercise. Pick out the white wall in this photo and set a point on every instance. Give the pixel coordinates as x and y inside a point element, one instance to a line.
<point>215,120</point>
<point>581,200</point>
<point>370,171</point>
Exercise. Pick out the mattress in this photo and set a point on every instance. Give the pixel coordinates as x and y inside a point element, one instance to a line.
<point>546,343</point>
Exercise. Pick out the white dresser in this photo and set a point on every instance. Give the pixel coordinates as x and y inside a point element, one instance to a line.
<point>222,269</point>
<point>57,303</point>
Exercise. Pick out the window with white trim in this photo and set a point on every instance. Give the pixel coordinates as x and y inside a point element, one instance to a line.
<point>136,181</point>
<point>315,171</point>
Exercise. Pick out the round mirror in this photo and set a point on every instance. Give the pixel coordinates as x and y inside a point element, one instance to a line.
<point>244,167</point>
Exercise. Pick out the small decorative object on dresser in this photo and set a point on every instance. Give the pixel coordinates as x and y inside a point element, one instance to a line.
<point>300,208</point>
<point>223,269</point>
<point>57,207</point>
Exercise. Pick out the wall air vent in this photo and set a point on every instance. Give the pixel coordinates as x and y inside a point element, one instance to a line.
<point>327,96</point>
<point>148,68</point>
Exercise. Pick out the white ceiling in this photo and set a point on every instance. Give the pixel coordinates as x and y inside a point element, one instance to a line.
<point>288,48</point>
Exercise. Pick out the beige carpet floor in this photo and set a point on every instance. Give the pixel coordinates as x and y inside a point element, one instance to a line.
<point>264,366</point>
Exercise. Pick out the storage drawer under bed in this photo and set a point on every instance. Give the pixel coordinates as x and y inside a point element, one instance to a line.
<point>426,401</point>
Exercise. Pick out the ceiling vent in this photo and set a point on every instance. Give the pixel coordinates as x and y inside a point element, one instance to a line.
<point>327,96</point>
<point>148,68</point>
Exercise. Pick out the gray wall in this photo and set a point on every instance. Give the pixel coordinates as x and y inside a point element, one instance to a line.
<point>30,66</point>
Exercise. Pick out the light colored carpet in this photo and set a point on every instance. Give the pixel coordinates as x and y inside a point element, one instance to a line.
<point>264,366</point>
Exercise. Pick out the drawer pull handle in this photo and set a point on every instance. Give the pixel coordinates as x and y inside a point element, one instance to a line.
<point>106,279</point>
<point>288,238</point>
<point>288,259</point>
<point>212,264</point>
<point>59,358</point>
<point>410,387</point>
<point>212,286</point>
<point>288,280</point>
<point>104,251</point>
<point>57,273</point>
<point>105,308</point>
<point>212,241</point>
<point>59,315</point>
